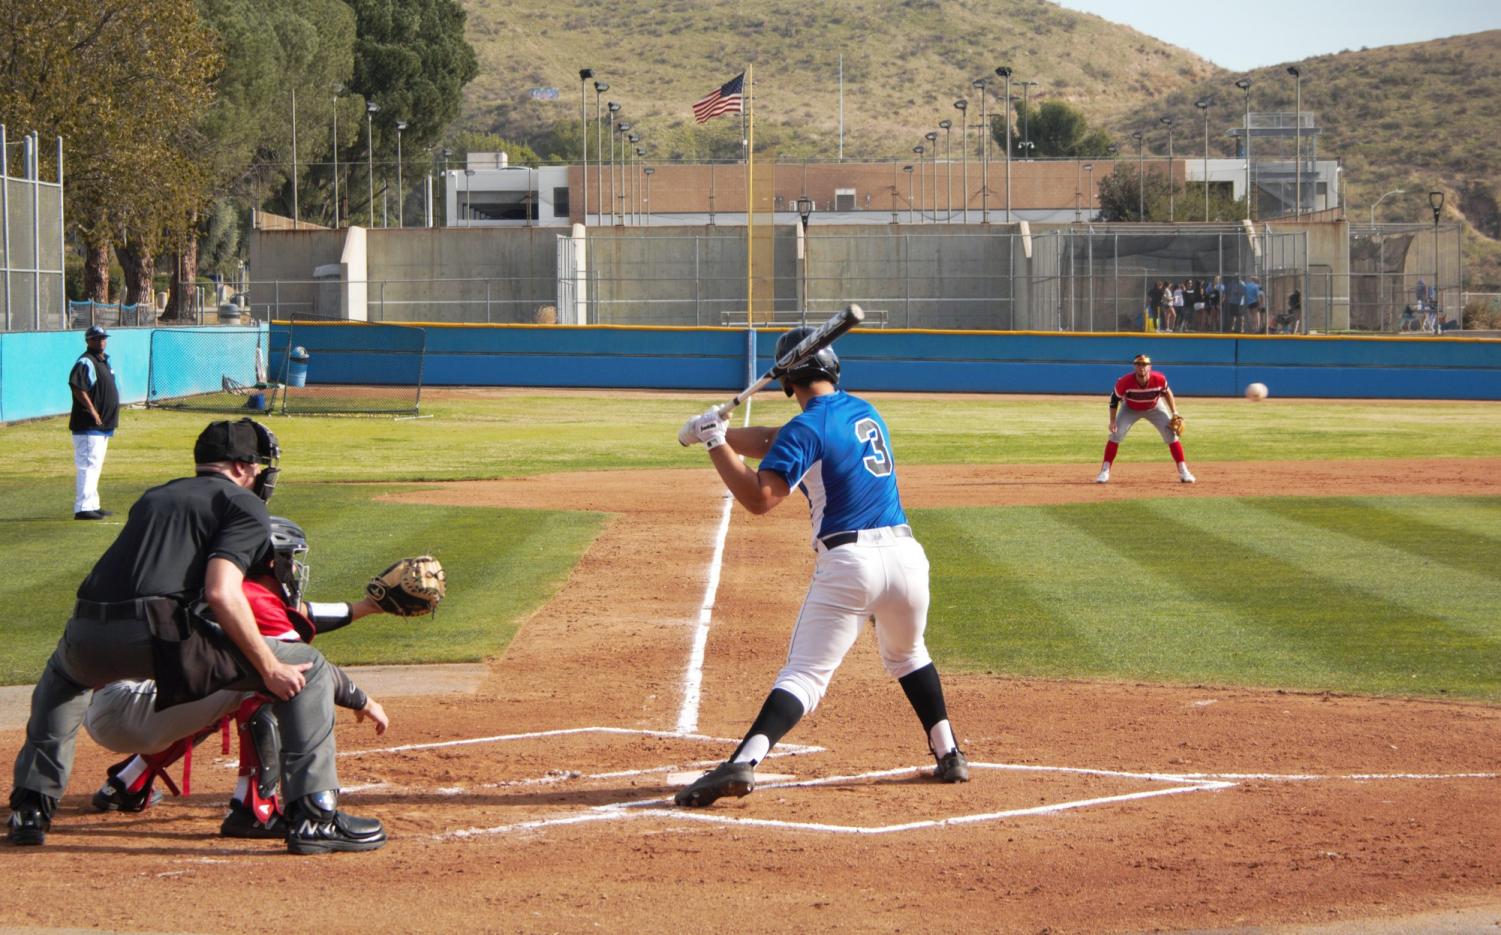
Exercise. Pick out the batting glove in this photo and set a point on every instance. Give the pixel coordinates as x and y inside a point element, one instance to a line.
<point>709,428</point>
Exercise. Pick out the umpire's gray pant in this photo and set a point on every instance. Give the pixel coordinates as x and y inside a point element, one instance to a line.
<point>93,653</point>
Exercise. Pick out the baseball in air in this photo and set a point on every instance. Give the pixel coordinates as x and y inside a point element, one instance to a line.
<point>1255,392</point>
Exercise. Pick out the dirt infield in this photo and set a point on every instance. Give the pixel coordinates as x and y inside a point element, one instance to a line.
<point>538,804</point>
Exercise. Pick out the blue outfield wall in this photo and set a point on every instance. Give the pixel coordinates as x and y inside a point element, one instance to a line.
<point>922,361</point>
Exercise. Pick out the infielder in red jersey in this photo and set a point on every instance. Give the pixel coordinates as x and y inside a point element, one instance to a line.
<point>1147,396</point>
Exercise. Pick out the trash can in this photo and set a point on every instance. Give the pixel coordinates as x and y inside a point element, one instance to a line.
<point>297,367</point>
<point>229,314</point>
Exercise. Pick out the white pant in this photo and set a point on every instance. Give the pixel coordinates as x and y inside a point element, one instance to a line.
<point>88,458</point>
<point>882,575</point>
<point>1158,415</point>
<point>122,716</point>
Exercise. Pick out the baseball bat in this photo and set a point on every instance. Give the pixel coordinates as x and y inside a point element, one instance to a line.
<point>826,334</point>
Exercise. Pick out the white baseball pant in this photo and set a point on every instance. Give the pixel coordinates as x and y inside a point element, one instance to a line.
<point>88,458</point>
<point>1158,415</point>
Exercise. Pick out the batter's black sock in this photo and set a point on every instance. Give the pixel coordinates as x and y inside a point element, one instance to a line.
<point>779,714</point>
<point>925,693</point>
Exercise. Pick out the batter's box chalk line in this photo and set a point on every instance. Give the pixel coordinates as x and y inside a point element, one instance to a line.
<point>1173,784</point>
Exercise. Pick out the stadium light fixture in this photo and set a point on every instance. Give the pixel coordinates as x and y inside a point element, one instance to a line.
<point>962,106</point>
<point>922,181</point>
<point>1141,176</point>
<point>338,90</point>
<point>948,172</point>
<point>584,75</point>
<point>1436,202</point>
<point>400,126</point>
<point>981,85</point>
<point>650,171</point>
<point>1171,185</point>
<point>1204,104</point>
<point>1297,137</point>
<point>1395,191</point>
<point>908,170</point>
<point>600,87</point>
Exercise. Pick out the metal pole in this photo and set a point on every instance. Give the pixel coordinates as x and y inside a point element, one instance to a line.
<point>584,75</point>
<point>963,107</point>
<point>5,218</point>
<point>400,190</point>
<point>1245,85</point>
<point>1008,146</point>
<point>1141,176</point>
<point>599,160</point>
<point>1206,160</point>
<point>1172,211</point>
<point>1298,144</point>
<point>370,156</point>
<point>336,162</point>
<point>948,174</point>
<point>295,212</point>
<point>983,87</point>
<point>35,173</point>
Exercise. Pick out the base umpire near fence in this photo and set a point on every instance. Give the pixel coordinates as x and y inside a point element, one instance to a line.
<point>191,536</point>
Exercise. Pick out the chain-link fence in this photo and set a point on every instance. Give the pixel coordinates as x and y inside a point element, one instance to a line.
<point>31,239</point>
<point>1406,277</point>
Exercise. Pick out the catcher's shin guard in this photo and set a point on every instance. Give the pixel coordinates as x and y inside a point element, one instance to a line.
<point>260,756</point>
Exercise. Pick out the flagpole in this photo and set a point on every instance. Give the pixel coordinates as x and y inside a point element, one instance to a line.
<point>750,224</point>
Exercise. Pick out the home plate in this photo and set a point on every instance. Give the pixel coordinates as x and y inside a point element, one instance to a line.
<point>683,778</point>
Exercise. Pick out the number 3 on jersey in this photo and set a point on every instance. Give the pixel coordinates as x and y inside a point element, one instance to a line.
<point>878,463</point>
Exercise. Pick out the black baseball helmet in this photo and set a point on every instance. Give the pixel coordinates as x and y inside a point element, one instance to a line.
<point>823,365</point>
<point>289,550</point>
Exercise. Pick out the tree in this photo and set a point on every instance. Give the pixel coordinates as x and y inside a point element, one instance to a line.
<point>1055,129</point>
<point>121,81</point>
<point>1120,198</point>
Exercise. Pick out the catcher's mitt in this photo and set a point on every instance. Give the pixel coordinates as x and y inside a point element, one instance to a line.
<point>1176,424</point>
<point>412,587</point>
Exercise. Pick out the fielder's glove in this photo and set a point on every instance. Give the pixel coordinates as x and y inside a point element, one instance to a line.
<point>1176,424</point>
<point>413,587</point>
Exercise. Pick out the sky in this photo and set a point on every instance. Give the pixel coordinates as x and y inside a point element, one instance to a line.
<point>1241,36</point>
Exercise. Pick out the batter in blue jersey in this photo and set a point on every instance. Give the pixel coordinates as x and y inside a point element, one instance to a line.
<point>837,451</point>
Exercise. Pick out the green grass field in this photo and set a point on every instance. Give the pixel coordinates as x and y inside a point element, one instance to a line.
<point>1388,595</point>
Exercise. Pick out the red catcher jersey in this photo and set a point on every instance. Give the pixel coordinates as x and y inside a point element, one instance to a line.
<point>272,617</point>
<point>1141,397</point>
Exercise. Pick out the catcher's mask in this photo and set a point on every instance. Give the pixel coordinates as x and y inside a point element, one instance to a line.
<point>289,549</point>
<point>823,365</point>
<point>246,441</point>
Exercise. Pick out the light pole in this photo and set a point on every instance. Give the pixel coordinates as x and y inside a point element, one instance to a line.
<point>617,189</point>
<point>468,184</point>
<point>908,170</point>
<point>400,192</point>
<point>611,109</point>
<point>296,213</point>
<point>640,154</point>
<point>584,75</point>
<point>1245,85</point>
<point>1395,191</point>
<point>1141,177</point>
<point>980,84</point>
<point>922,181</point>
<point>1297,137</point>
<point>1203,105</point>
<point>650,171</point>
<point>600,88</point>
<point>962,106</point>
<point>1171,185</point>
<point>804,209</point>
<point>948,173</point>
<point>1005,72</point>
<point>370,109</point>
<point>338,90</point>
<point>1436,202</point>
<point>1089,190</point>
<point>932,137</point>
<point>1027,87</point>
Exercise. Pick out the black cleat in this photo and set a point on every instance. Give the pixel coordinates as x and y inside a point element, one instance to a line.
<point>737,779</point>
<point>316,826</point>
<point>30,817</point>
<point>242,823</point>
<point>952,767</point>
<point>114,797</point>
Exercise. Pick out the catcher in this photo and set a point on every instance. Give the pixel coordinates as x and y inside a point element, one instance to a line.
<point>123,716</point>
<point>1147,397</point>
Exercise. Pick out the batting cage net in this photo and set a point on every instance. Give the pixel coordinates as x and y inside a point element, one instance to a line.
<point>313,367</point>
<point>209,369</point>
<point>347,367</point>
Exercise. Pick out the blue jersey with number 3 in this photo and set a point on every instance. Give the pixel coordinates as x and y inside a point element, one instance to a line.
<point>838,453</point>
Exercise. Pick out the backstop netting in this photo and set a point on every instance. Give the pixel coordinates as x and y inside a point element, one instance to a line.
<point>347,367</point>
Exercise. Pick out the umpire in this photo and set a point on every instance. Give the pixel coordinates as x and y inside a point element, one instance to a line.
<point>191,536</point>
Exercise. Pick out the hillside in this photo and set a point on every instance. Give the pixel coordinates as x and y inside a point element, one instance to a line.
<point>905,62</point>
<point>1418,117</point>
<point>1412,116</point>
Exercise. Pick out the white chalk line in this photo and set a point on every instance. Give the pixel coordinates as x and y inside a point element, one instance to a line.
<point>693,674</point>
<point>790,749</point>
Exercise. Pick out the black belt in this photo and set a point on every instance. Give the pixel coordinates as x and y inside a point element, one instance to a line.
<point>115,610</point>
<point>835,540</point>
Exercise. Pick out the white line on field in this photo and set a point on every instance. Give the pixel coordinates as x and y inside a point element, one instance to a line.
<point>789,749</point>
<point>693,677</point>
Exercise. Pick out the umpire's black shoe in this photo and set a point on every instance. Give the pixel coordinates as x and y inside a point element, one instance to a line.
<point>242,823</point>
<point>316,826</point>
<point>30,817</point>
<point>88,514</point>
<point>725,779</point>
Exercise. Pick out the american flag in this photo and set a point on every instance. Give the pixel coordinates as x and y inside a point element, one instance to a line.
<point>725,99</point>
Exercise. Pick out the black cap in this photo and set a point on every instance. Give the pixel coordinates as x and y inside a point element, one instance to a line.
<point>95,332</point>
<point>231,441</point>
